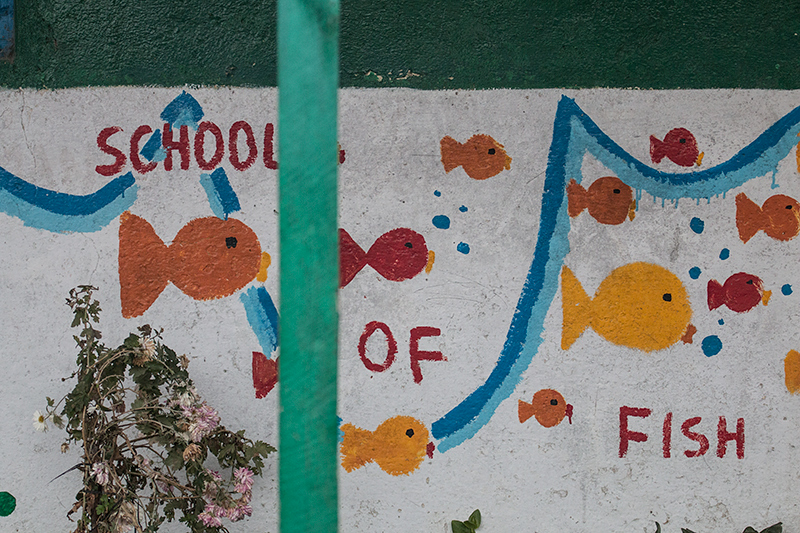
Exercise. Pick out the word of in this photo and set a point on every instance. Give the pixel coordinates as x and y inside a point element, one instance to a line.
<point>186,148</point>
<point>723,435</point>
<point>414,352</point>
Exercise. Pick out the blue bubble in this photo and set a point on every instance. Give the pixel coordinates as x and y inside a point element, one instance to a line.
<point>697,225</point>
<point>463,247</point>
<point>720,322</point>
<point>786,290</point>
<point>711,345</point>
<point>441,221</point>
<point>437,193</point>
<point>694,272</point>
<point>724,254</point>
<point>463,209</point>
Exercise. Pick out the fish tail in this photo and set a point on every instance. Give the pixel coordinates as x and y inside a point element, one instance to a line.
<point>353,443</point>
<point>749,217</point>
<point>524,411</point>
<point>143,265</point>
<point>575,305</point>
<point>716,295</point>
<point>352,258</point>
<point>450,149</point>
<point>577,198</point>
<point>657,151</point>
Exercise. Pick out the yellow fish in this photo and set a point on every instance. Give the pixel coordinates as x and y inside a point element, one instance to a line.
<point>398,446</point>
<point>639,305</point>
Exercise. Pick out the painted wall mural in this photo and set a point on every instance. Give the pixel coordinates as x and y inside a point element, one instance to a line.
<point>561,307</point>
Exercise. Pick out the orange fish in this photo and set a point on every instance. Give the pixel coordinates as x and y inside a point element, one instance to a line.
<point>398,446</point>
<point>608,200</point>
<point>548,406</point>
<point>779,217</point>
<point>209,258</point>
<point>481,156</point>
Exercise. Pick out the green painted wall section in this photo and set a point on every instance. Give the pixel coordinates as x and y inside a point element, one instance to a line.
<point>430,45</point>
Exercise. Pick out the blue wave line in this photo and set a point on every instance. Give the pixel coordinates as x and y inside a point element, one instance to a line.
<point>262,316</point>
<point>574,133</point>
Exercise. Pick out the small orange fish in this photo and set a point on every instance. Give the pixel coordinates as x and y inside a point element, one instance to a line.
<point>481,156</point>
<point>608,200</point>
<point>209,258</point>
<point>398,446</point>
<point>779,217</point>
<point>548,406</point>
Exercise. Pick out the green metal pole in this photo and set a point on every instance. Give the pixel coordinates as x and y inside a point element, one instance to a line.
<point>308,78</point>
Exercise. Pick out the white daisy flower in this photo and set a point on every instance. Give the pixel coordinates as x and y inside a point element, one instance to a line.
<point>39,421</point>
<point>149,347</point>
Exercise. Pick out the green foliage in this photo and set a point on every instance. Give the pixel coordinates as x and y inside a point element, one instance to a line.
<point>469,526</point>
<point>775,528</point>
<point>146,434</point>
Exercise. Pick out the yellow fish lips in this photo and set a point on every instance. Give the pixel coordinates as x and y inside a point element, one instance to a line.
<point>639,305</point>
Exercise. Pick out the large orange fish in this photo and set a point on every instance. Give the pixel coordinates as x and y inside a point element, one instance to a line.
<point>209,258</point>
<point>481,156</point>
<point>779,217</point>
<point>398,445</point>
<point>608,200</point>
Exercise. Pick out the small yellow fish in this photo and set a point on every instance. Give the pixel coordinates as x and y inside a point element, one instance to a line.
<point>398,445</point>
<point>639,305</point>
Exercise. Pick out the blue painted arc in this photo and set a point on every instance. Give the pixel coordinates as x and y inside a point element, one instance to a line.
<point>574,133</point>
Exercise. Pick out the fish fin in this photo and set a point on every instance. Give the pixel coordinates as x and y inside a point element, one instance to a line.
<point>450,149</point>
<point>265,374</point>
<point>749,217</point>
<point>577,198</point>
<point>716,294</point>
<point>352,258</point>
<point>524,411</point>
<point>657,152</point>
<point>575,305</point>
<point>353,442</point>
<point>143,265</point>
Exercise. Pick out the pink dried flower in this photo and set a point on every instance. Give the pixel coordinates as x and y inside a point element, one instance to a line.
<point>239,512</point>
<point>204,420</point>
<point>244,479</point>
<point>100,473</point>
<point>209,520</point>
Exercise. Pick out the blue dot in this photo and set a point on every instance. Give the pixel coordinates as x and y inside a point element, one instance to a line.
<point>697,225</point>
<point>463,247</point>
<point>463,209</point>
<point>724,254</point>
<point>711,345</point>
<point>720,322</point>
<point>437,193</point>
<point>694,272</point>
<point>786,290</point>
<point>441,221</point>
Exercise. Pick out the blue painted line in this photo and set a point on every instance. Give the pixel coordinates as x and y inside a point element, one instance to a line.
<point>42,208</point>
<point>574,133</point>
<point>153,149</point>
<point>220,194</point>
<point>213,197</point>
<point>184,110</point>
<point>262,316</point>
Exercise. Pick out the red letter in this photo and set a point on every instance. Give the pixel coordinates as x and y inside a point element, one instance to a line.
<point>624,434</point>
<point>138,166</point>
<point>697,437</point>
<point>199,146</point>
<point>667,430</point>
<point>723,437</point>
<point>390,342</point>
<point>181,146</point>
<point>102,137</point>
<point>234,147</point>
<point>418,355</point>
<point>269,149</point>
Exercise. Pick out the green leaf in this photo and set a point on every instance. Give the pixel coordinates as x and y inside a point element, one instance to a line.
<point>749,529</point>
<point>658,527</point>
<point>684,530</point>
<point>475,519</point>
<point>461,527</point>
<point>775,528</point>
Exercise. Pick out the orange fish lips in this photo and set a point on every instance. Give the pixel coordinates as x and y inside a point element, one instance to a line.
<point>548,406</point>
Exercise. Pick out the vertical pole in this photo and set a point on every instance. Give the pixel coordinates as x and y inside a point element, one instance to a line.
<point>308,78</point>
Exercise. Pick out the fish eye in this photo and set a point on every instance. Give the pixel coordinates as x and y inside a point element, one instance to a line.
<point>410,433</point>
<point>667,297</point>
<point>617,191</point>
<point>553,402</point>
<point>230,242</point>
<point>682,141</point>
<point>491,151</point>
<point>749,281</point>
<point>409,245</point>
<point>789,206</point>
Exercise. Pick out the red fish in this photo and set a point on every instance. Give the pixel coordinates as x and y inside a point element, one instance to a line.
<point>265,374</point>
<point>679,146</point>
<point>481,156</point>
<point>209,258</point>
<point>741,292</point>
<point>397,255</point>
<point>608,200</point>
<point>779,217</point>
